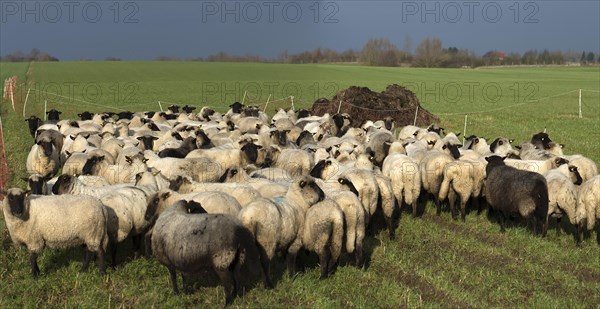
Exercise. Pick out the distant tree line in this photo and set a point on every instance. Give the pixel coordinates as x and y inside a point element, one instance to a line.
<point>34,55</point>
<point>428,53</point>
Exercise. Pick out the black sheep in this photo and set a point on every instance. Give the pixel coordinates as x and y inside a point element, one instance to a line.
<point>510,190</point>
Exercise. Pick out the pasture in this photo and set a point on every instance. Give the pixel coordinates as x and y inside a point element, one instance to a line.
<point>433,262</point>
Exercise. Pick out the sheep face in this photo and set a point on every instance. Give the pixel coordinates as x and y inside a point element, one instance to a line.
<point>64,184</point>
<point>309,190</point>
<point>493,161</point>
<point>90,164</point>
<point>147,141</point>
<point>280,136</point>
<point>150,213</point>
<point>574,175</point>
<point>173,108</point>
<point>15,198</point>
<point>53,114</point>
<point>236,107</point>
<point>305,137</point>
<point>303,113</point>
<point>323,168</point>
<point>125,115</point>
<point>452,150</point>
<point>389,123</point>
<point>250,150</point>
<point>541,140</point>
<point>47,146</point>
<point>202,140</point>
<point>36,183</point>
<point>34,123</point>
<point>435,128</point>
<point>85,115</point>
<point>229,173</point>
<point>192,207</point>
<point>501,145</point>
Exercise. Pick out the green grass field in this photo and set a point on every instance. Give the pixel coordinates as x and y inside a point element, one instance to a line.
<point>434,262</point>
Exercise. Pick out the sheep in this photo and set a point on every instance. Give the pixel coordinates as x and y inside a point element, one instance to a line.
<point>189,144</point>
<point>178,244</point>
<point>228,158</point>
<point>380,143</point>
<point>411,132</point>
<point>354,219</point>
<point>586,166</point>
<point>74,163</point>
<point>266,187</point>
<point>432,170</point>
<point>33,122</point>
<point>115,173</point>
<point>37,221</point>
<point>243,193</point>
<point>463,178</point>
<point>279,226</point>
<point>53,114</point>
<point>540,167</point>
<point>501,147</point>
<point>37,184</point>
<point>562,193</point>
<point>528,151</point>
<point>43,158</point>
<point>126,207</point>
<point>323,232</point>
<point>296,162</point>
<point>405,178</point>
<point>477,144</point>
<point>387,201</point>
<point>510,190</point>
<point>588,207</point>
<point>363,180</point>
<point>214,201</point>
<point>542,141</point>
<point>199,169</point>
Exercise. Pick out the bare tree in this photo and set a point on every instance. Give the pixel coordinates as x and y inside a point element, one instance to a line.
<point>380,52</point>
<point>429,53</point>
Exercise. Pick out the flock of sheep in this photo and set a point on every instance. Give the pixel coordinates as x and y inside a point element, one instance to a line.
<point>214,191</point>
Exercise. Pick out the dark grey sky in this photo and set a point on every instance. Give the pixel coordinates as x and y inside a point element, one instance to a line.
<point>72,30</point>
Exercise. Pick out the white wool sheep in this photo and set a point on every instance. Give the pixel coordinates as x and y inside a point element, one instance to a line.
<point>432,172</point>
<point>266,187</point>
<point>279,226</point>
<point>199,169</point>
<point>405,178</point>
<point>562,193</point>
<point>228,158</point>
<point>37,221</point>
<point>540,167</point>
<point>411,132</point>
<point>126,207</point>
<point>115,173</point>
<point>323,232</point>
<point>296,162</point>
<point>43,158</point>
<point>588,207</point>
<point>243,193</point>
<point>387,201</point>
<point>587,167</point>
<point>461,179</point>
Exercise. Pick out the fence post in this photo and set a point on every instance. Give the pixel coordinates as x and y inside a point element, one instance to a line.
<point>267,104</point>
<point>25,104</point>
<point>293,109</point>
<point>339,106</point>
<point>580,103</point>
<point>465,129</point>
<point>416,111</point>
<point>244,97</point>
<point>45,108</point>
<point>160,105</point>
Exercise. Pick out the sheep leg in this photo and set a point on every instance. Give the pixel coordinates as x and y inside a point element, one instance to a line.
<point>558,226</point>
<point>87,256</point>
<point>463,210</point>
<point>358,256</point>
<point>113,253</point>
<point>578,234</point>
<point>35,270</point>
<point>291,263</point>
<point>598,234</point>
<point>324,257</point>
<point>438,206</point>
<point>452,202</point>
<point>173,275</point>
<point>266,267</point>
<point>228,282</point>
<point>414,209</point>
<point>333,264</point>
<point>101,264</point>
<point>148,243</point>
<point>502,221</point>
<point>390,224</point>
<point>137,245</point>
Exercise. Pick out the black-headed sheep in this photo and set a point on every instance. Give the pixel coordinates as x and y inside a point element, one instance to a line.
<point>56,222</point>
<point>509,190</point>
<point>188,239</point>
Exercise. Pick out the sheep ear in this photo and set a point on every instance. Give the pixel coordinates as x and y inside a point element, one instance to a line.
<point>28,192</point>
<point>561,146</point>
<point>518,147</point>
<point>259,147</point>
<point>144,160</point>
<point>139,138</point>
<point>457,135</point>
<point>25,179</point>
<point>128,159</point>
<point>511,141</point>
<point>302,184</point>
<point>487,159</point>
